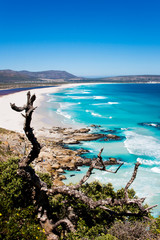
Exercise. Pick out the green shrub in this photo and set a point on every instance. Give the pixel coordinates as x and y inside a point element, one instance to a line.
<point>132,231</point>
<point>45,177</point>
<point>18,219</point>
<point>106,237</point>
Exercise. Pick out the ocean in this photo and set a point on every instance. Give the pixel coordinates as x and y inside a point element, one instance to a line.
<point>131,111</point>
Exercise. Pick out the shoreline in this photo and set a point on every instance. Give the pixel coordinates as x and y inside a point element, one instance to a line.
<point>12,120</point>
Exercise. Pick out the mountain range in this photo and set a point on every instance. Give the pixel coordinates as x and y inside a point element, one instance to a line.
<point>10,76</point>
<point>55,76</point>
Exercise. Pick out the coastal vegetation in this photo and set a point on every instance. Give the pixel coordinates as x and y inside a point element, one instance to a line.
<point>34,207</point>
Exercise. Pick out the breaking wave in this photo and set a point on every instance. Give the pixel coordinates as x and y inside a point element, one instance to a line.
<point>51,100</point>
<point>142,145</point>
<point>94,114</point>
<point>155,169</point>
<point>97,114</point>
<point>62,113</point>
<point>99,97</point>
<point>148,162</point>
<point>102,104</point>
<point>66,105</point>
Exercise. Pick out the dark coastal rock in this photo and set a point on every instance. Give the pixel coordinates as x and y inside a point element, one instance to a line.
<point>78,170</point>
<point>88,137</point>
<point>110,131</point>
<point>113,137</point>
<point>95,126</point>
<point>87,161</point>
<point>112,161</point>
<point>151,124</point>
<point>82,151</point>
<point>82,130</point>
<point>70,141</point>
<point>54,157</point>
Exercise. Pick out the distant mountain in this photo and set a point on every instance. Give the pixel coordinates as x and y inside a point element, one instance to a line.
<point>133,78</point>
<point>54,76</point>
<point>51,74</point>
<point>10,76</point>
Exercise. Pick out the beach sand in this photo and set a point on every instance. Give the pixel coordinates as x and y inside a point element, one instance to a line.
<point>12,120</point>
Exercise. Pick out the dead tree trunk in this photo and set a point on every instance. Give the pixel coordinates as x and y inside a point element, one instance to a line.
<point>42,192</point>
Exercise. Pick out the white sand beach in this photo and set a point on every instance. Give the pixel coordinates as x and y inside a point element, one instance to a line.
<point>12,120</point>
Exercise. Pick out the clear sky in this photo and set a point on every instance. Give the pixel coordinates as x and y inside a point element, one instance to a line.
<point>83,37</point>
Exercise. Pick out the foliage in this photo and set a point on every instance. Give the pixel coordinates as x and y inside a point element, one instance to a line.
<point>132,231</point>
<point>106,237</point>
<point>155,226</point>
<point>18,218</point>
<point>92,223</point>
<point>45,177</point>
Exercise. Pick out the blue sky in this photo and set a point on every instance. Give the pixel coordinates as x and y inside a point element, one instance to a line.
<point>83,37</point>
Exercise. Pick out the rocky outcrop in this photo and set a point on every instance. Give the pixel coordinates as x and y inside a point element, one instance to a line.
<point>54,157</point>
<point>112,137</point>
<point>151,124</point>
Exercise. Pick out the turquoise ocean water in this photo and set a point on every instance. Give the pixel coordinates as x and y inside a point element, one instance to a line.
<point>122,108</point>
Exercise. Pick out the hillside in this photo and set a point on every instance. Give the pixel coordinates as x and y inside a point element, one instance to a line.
<point>10,76</point>
<point>51,74</point>
<point>133,78</point>
<point>55,76</point>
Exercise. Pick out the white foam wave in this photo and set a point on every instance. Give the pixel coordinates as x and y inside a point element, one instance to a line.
<point>64,114</point>
<point>80,97</point>
<point>94,114</point>
<point>142,145</point>
<point>86,92</point>
<point>148,162</point>
<point>99,97</point>
<point>111,103</point>
<point>102,104</point>
<point>65,105</point>
<point>51,100</point>
<point>97,114</point>
<point>155,169</point>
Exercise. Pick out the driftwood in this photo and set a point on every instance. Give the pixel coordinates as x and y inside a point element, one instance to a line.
<point>42,192</point>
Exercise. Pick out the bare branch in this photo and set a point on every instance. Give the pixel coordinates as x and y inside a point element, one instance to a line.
<point>65,221</point>
<point>17,109</point>
<point>131,180</point>
<point>149,208</point>
<point>102,167</point>
<point>110,171</point>
<point>89,172</point>
<point>28,130</point>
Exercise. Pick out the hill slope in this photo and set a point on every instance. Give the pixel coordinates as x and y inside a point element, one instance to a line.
<point>10,76</point>
<point>51,74</point>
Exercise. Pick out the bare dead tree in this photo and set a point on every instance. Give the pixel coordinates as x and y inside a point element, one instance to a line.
<point>42,192</point>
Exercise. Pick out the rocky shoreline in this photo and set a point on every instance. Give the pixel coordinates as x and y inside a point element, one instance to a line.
<point>54,157</point>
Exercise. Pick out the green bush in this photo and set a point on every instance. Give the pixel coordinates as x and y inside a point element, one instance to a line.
<point>18,216</point>
<point>18,219</point>
<point>106,237</point>
<point>132,231</point>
